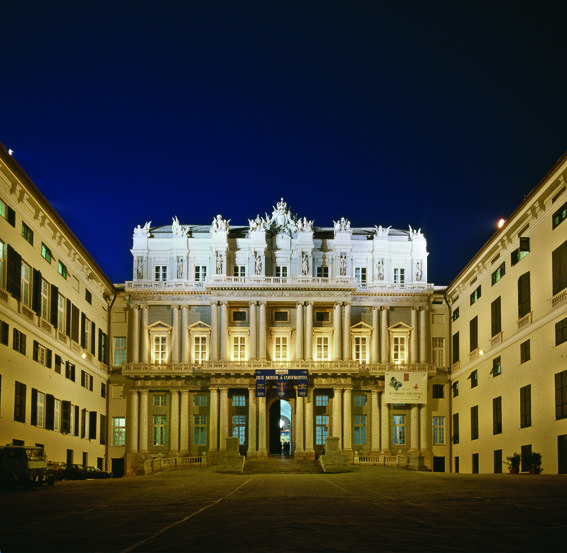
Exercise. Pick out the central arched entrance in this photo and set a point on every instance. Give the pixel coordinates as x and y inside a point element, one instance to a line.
<point>280,428</point>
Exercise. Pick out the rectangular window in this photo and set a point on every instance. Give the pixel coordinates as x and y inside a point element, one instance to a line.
<point>476,295</point>
<point>239,428</point>
<point>2,264</point>
<point>239,348</point>
<point>281,271</point>
<point>119,351</point>
<point>26,285</point>
<point>200,429</point>
<point>525,351</point>
<point>321,401</point>
<point>559,216</point>
<point>27,233</point>
<point>239,401</point>
<point>45,253</point>
<point>322,316</point>
<point>160,350</point>
<point>456,353</point>
<point>280,348</point>
<point>456,428</point>
<point>239,271</point>
<point>61,313</point>
<point>70,371</point>
<point>200,273</point>
<point>239,315</point>
<point>561,395</point>
<point>473,334</point>
<point>322,272</point>
<point>474,379</point>
<point>160,400</point>
<point>160,273</point>
<point>398,429</point>
<point>321,429</point>
<point>455,388</point>
<point>281,316</point>
<point>19,341</point>
<point>200,400</point>
<point>360,275</point>
<point>498,274</point>
<point>57,415</point>
<point>526,406</point>
<point>399,275</point>
<point>496,366</point>
<point>44,300</point>
<point>322,348</point>
<point>496,317</point>
<point>455,314</point>
<point>201,343</point>
<point>4,333</point>
<point>474,422</point>
<point>438,391</point>
<point>559,268</point>
<point>39,409</point>
<point>62,269</point>
<point>360,349</point>
<point>524,299</point>
<point>359,429</point>
<point>560,332</point>
<point>20,402</point>
<point>400,350</point>
<point>359,400</point>
<point>497,415</point>
<point>160,429</point>
<point>439,352</point>
<point>438,430</point>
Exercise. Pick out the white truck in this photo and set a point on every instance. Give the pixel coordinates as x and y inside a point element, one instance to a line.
<point>23,465</point>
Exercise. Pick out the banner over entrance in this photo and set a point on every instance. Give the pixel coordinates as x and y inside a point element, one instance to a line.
<point>281,377</point>
<point>401,387</point>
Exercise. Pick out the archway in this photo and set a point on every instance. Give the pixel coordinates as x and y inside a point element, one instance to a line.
<point>280,428</point>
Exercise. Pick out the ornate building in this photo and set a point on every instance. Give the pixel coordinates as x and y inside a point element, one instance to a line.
<point>282,334</point>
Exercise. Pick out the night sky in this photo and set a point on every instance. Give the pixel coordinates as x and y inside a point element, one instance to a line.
<point>438,115</point>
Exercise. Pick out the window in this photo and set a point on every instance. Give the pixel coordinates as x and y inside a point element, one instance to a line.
<point>560,332</point>
<point>70,371</point>
<point>239,315</point>
<point>526,406</point>
<point>42,355</point>
<point>439,352</point>
<point>119,351</point>
<point>475,295</point>
<point>559,216</point>
<point>26,285</point>
<point>455,428</point>
<point>38,409</point>
<point>45,253</point>
<point>498,274</point>
<point>456,354</point>
<point>455,388</point>
<point>87,380</point>
<point>559,268</point>
<point>455,314</point>
<point>321,401</point>
<point>438,391</point>
<point>57,415</point>
<point>281,316</point>
<point>400,350</point>
<point>58,364</point>
<point>561,395</point>
<point>160,428</point>
<point>160,400</point>
<point>322,316</point>
<point>475,463</point>
<point>321,429</point>
<point>524,301</point>
<point>44,300</point>
<point>200,273</point>
<point>497,415</point>
<point>359,400</point>
<point>525,351</point>
<point>103,389</point>
<point>360,349</point>
<point>200,348</point>
<point>438,430</point>
<point>474,379</point>
<point>20,402</point>
<point>239,348</point>
<point>27,233</point>
<point>496,367</point>
<point>239,401</point>
<point>200,429</point>
<point>2,264</point>
<point>496,317</point>
<point>360,275</point>
<point>281,271</point>
<point>399,276</point>
<point>61,313</point>
<point>160,350</point>
<point>280,348</point>
<point>322,348</point>
<point>398,429</point>
<point>62,269</point>
<point>474,422</point>
<point>200,400</point>
<point>522,251</point>
<point>239,271</point>
<point>239,428</point>
<point>322,272</point>
<point>88,297</point>
<point>19,341</point>
<point>359,429</point>
<point>160,273</point>
<point>473,335</point>
<point>4,333</point>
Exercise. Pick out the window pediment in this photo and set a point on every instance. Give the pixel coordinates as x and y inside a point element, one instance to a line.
<point>361,328</point>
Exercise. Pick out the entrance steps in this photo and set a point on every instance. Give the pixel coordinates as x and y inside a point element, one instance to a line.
<point>275,464</point>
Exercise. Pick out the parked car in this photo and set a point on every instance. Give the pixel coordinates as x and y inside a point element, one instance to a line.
<point>56,471</point>
<point>96,473</point>
<point>73,472</point>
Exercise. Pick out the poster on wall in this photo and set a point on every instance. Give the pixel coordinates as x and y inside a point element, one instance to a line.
<point>405,387</point>
<point>281,377</point>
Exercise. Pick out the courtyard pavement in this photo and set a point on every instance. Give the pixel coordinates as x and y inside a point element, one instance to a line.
<point>368,509</point>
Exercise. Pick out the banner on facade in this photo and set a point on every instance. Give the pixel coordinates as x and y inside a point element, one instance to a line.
<point>281,377</point>
<point>405,387</point>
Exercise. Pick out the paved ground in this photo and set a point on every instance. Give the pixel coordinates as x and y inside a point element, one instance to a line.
<point>369,509</point>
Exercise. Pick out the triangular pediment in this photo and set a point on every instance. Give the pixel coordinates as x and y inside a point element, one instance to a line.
<point>199,325</point>
<point>160,325</point>
<point>361,326</point>
<point>400,328</point>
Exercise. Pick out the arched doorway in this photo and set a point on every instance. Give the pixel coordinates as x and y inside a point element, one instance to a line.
<point>280,427</point>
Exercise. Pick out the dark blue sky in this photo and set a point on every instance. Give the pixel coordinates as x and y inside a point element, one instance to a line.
<point>438,115</point>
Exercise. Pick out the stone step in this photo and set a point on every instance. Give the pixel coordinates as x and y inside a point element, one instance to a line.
<point>279,464</point>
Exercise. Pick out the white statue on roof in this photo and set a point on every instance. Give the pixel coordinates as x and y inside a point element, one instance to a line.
<point>177,229</point>
<point>342,224</point>
<point>382,232</point>
<point>219,224</point>
<point>143,231</point>
<point>416,234</point>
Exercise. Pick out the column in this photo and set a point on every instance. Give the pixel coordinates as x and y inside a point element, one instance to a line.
<point>223,422</point>
<point>253,331</point>
<point>385,426</point>
<point>214,332</point>
<point>423,336</point>
<point>374,353</point>
<point>135,334</point>
<point>145,336</point>
<point>223,337</point>
<point>337,417</point>
<point>132,421</point>
<point>299,425</point>
<point>214,422</point>
<point>184,422</point>
<point>375,422</point>
<point>184,336</point>
<point>337,340</point>
<point>346,332</point>
<point>262,331</point>
<point>309,423</point>
<point>425,429</point>
<point>299,333</point>
<point>414,440</point>
<point>414,343</point>
<point>347,419</point>
<point>174,426</point>
<point>384,357</point>
<point>252,447</point>
<point>262,426</point>
<point>143,444</point>
<point>308,353</point>
<point>175,336</point>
